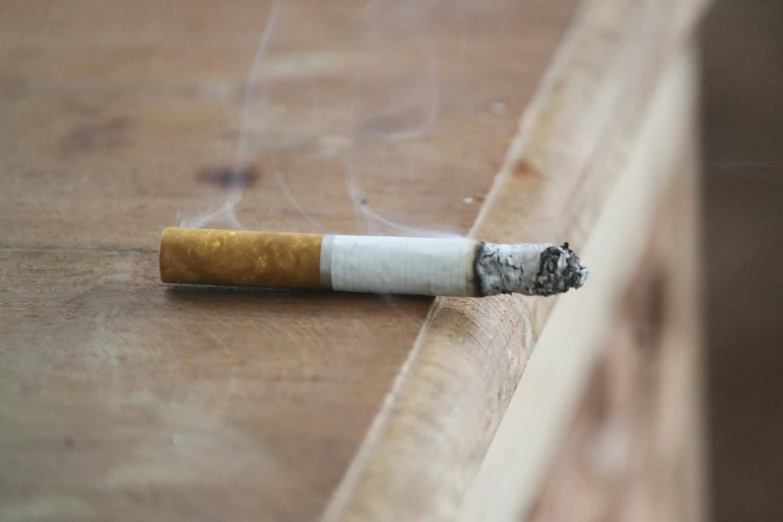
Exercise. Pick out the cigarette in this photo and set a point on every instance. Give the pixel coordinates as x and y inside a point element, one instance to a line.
<point>367,264</point>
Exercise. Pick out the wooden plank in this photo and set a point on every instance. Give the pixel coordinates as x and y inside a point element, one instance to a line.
<point>635,447</point>
<point>538,417</point>
<point>123,400</point>
<point>429,440</point>
<point>135,110</point>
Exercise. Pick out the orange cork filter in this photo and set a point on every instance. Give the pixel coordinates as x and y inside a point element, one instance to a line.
<point>240,258</point>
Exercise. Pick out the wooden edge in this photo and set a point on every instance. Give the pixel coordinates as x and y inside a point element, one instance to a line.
<point>631,450</point>
<point>538,415</point>
<point>433,430</point>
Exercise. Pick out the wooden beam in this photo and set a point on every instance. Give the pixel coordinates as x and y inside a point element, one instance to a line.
<point>429,439</point>
<point>540,414</point>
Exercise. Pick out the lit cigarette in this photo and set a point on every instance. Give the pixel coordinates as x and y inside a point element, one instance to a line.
<point>386,265</point>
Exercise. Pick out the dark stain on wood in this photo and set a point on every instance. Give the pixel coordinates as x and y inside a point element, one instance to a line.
<point>229,177</point>
<point>89,137</point>
<point>523,169</point>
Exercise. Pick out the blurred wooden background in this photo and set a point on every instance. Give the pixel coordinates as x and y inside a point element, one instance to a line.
<point>743,133</point>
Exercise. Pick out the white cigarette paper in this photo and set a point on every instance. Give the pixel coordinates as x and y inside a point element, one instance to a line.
<point>447,267</point>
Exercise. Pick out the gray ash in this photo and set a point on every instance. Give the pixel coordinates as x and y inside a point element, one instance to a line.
<point>552,278</point>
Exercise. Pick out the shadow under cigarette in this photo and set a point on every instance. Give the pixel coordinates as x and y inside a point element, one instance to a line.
<point>242,296</point>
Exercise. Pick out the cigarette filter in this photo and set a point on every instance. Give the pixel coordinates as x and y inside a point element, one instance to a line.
<point>393,265</point>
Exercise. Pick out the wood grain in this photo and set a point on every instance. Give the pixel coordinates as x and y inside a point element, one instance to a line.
<point>122,400</point>
<point>125,400</point>
<point>136,109</point>
<point>634,450</point>
<point>573,145</point>
<point>539,414</point>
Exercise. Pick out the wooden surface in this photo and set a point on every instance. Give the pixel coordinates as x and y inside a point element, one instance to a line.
<point>123,400</point>
<point>634,450</point>
<point>428,442</point>
<point>117,118</point>
<point>538,420</point>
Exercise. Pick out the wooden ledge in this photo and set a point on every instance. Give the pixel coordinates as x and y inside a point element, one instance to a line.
<point>122,399</point>
<point>572,149</point>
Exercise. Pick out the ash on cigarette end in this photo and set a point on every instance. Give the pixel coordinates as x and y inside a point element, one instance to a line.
<point>560,271</point>
<point>536,270</point>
